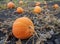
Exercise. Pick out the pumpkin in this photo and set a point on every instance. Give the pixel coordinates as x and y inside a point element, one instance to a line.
<point>10,5</point>
<point>37,3</point>
<point>37,9</point>
<point>55,6</point>
<point>23,28</point>
<point>21,2</point>
<point>19,10</point>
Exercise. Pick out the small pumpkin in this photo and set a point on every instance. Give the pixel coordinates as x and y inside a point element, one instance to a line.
<point>23,28</point>
<point>21,2</point>
<point>55,6</point>
<point>20,10</point>
<point>10,5</point>
<point>37,3</point>
<point>37,9</point>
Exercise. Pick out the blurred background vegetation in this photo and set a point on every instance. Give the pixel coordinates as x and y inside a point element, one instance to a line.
<point>4,2</point>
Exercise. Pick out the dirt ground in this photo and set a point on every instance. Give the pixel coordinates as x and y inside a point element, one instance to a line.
<point>47,25</point>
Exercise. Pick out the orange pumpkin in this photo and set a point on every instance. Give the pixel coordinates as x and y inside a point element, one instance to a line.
<point>37,3</point>
<point>23,28</point>
<point>37,9</point>
<point>55,6</point>
<point>20,10</point>
<point>21,2</point>
<point>10,5</point>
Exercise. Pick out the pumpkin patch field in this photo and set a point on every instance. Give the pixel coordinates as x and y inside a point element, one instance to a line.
<point>29,22</point>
